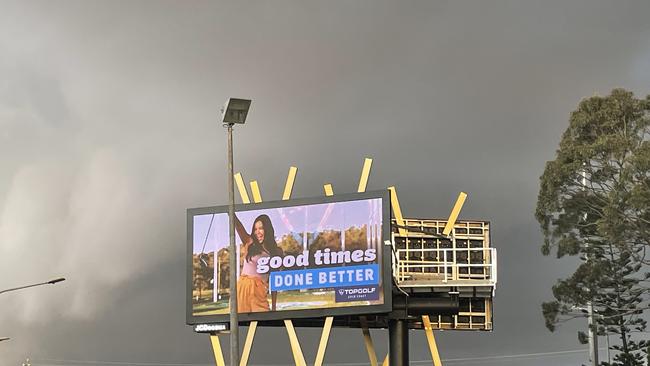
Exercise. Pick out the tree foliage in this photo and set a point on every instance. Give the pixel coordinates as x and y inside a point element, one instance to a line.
<point>356,238</point>
<point>594,201</point>
<point>203,270</point>
<point>290,245</point>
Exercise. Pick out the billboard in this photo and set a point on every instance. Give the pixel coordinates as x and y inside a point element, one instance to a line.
<point>299,258</point>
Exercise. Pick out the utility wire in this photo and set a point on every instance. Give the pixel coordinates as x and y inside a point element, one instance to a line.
<point>208,233</point>
<point>52,362</point>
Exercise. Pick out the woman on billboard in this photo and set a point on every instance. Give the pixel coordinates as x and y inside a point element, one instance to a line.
<point>253,287</point>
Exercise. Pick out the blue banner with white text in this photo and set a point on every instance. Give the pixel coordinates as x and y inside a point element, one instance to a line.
<point>325,277</point>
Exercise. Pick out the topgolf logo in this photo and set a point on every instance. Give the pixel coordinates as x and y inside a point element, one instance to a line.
<point>357,293</point>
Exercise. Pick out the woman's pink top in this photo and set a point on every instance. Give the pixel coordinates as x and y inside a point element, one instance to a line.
<point>249,268</point>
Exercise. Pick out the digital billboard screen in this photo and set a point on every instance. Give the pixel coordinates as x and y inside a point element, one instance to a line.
<point>298,258</point>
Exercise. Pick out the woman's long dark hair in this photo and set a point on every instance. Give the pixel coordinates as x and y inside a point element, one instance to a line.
<point>269,239</point>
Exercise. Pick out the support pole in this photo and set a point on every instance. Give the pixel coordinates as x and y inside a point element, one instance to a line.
<point>234,319</point>
<point>593,338</point>
<point>609,358</point>
<point>398,337</point>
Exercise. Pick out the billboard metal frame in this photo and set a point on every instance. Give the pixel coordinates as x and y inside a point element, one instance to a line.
<point>386,264</point>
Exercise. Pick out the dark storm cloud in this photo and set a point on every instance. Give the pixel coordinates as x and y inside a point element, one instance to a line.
<point>108,132</point>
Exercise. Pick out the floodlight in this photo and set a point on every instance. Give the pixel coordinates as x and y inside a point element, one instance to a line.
<point>57,280</point>
<point>235,111</point>
<point>50,282</point>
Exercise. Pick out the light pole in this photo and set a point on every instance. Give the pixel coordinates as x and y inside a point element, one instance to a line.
<point>593,335</point>
<point>50,282</point>
<point>609,359</point>
<point>590,314</point>
<point>235,111</point>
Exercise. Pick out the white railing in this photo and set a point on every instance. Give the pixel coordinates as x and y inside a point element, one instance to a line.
<point>445,265</point>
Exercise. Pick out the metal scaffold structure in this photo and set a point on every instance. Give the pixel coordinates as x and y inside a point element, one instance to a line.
<point>461,264</point>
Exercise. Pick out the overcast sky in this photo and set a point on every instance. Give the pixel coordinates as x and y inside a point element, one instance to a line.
<point>108,132</point>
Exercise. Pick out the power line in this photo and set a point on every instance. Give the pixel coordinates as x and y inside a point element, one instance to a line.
<point>484,358</point>
<point>53,362</point>
<point>44,362</point>
<point>521,355</point>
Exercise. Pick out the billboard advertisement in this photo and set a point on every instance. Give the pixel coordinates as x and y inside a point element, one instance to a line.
<point>298,258</point>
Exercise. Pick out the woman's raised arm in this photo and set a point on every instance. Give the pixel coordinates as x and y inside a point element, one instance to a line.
<point>243,235</point>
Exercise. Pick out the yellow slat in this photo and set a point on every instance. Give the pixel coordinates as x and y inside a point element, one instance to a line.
<point>242,188</point>
<point>370,347</point>
<point>295,344</point>
<point>288,186</point>
<point>365,173</point>
<point>385,363</point>
<point>460,201</point>
<point>216,349</point>
<point>328,189</point>
<point>255,190</point>
<point>397,211</point>
<point>324,337</point>
<point>250,335</point>
<point>433,347</point>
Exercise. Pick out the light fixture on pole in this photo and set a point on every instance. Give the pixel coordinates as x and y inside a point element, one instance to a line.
<point>234,112</point>
<point>50,282</point>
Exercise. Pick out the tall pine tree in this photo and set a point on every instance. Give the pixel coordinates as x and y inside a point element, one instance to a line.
<point>594,201</point>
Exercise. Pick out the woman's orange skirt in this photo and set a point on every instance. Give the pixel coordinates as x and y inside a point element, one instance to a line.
<point>252,294</point>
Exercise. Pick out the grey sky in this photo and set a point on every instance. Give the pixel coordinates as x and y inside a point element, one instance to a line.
<point>108,133</point>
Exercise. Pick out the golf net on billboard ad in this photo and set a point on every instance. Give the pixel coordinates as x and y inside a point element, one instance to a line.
<point>299,258</point>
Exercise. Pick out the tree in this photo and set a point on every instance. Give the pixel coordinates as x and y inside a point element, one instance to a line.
<point>203,268</point>
<point>326,239</point>
<point>594,202</point>
<point>290,245</point>
<point>356,238</point>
